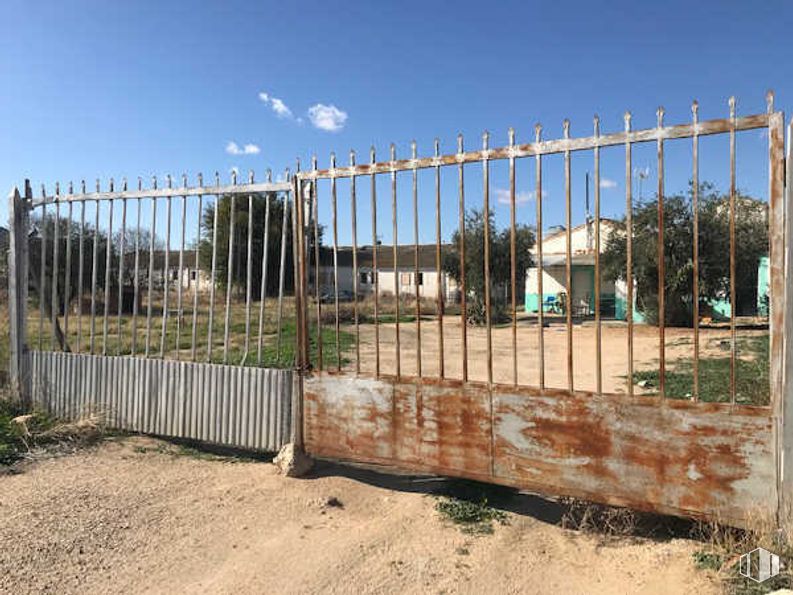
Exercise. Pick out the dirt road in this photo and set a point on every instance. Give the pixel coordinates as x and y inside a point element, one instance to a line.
<point>136,515</point>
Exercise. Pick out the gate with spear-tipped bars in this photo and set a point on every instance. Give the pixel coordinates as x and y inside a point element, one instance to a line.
<point>368,352</point>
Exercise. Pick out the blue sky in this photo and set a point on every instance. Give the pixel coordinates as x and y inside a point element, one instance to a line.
<point>98,89</point>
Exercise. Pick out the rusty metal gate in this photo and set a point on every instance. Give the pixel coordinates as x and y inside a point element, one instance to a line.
<point>666,452</point>
<point>126,319</point>
<point>389,369</point>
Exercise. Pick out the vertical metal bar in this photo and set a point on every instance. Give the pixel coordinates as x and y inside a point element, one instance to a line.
<point>661,263</point>
<point>695,209</point>
<point>354,213</point>
<point>122,247</point>
<point>249,274</point>
<point>94,273</point>
<point>296,275</point>
<point>629,246</point>
<point>197,285</point>
<point>438,277</point>
<point>150,281</point>
<point>136,276</point>
<point>165,272</point>
<point>513,257</point>
<point>317,264</point>
<point>598,329</point>
<point>568,259</point>
<point>373,178</point>
<point>733,302</point>
<point>335,256</point>
<point>214,269</point>
<point>43,269</point>
<point>229,272</point>
<point>263,289</point>
<point>395,250</point>
<point>281,274</point>
<point>80,273</point>
<point>461,224</point>
<point>540,297</point>
<point>67,289</point>
<point>180,280</point>
<point>486,200</point>
<point>55,265</point>
<point>414,156</point>
<point>108,270</point>
<point>779,315</point>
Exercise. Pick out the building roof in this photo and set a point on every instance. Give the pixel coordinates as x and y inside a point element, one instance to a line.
<point>406,256</point>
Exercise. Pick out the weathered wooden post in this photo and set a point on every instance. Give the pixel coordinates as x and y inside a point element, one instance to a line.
<point>19,220</point>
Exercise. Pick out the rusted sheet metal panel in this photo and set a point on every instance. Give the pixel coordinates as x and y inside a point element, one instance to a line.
<point>418,426</point>
<point>691,460</point>
<point>674,457</point>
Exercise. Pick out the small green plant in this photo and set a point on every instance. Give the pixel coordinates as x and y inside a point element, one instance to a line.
<point>707,560</point>
<point>475,517</point>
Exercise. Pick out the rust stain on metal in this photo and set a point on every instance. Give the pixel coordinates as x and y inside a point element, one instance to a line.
<point>670,456</point>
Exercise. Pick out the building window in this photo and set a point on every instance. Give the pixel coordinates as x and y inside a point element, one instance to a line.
<point>193,275</point>
<point>365,278</point>
<point>420,279</point>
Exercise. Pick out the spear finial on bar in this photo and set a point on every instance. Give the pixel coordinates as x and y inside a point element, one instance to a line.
<point>413,149</point>
<point>43,191</point>
<point>566,128</point>
<point>627,118</point>
<point>372,155</point>
<point>596,122</point>
<point>250,176</point>
<point>352,158</point>
<point>437,146</point>
<point>660,113</point>
<point>140,183</point>
<point>200,180</point>
<point>314,162</point>
<point>98,187</point>
<point>287,174</point>
<point>217,178</point>
<point>82,186</point>
<point>392,151</point>
<point>234,177</point>
<point>537,132</point>
<point>112,185</point>
<point>124,183</point>
<point>269,175</point>
<point>332,160</point>
<point>731,103</point>
<point>57,188</point>
<point>297,164</point>
<point>485,140</point>
<point>511,136</point>
<point>71,188</point>
<point>769,100</point>
<point>184,180</point>
<point>460,142</point>
<point>695,110</point>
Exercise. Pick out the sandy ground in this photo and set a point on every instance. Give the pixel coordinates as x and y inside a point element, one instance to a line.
<point>132,516</point>
<point>679,345</point>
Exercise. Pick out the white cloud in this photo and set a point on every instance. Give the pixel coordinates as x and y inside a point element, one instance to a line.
<point>233,148</point>
<point>327,117</point>
<point>606,183</point>
<point>502,196</point>
<point>277,105</point>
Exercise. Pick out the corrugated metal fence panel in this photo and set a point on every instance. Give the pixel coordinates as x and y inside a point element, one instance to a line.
<point>230,405</point>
